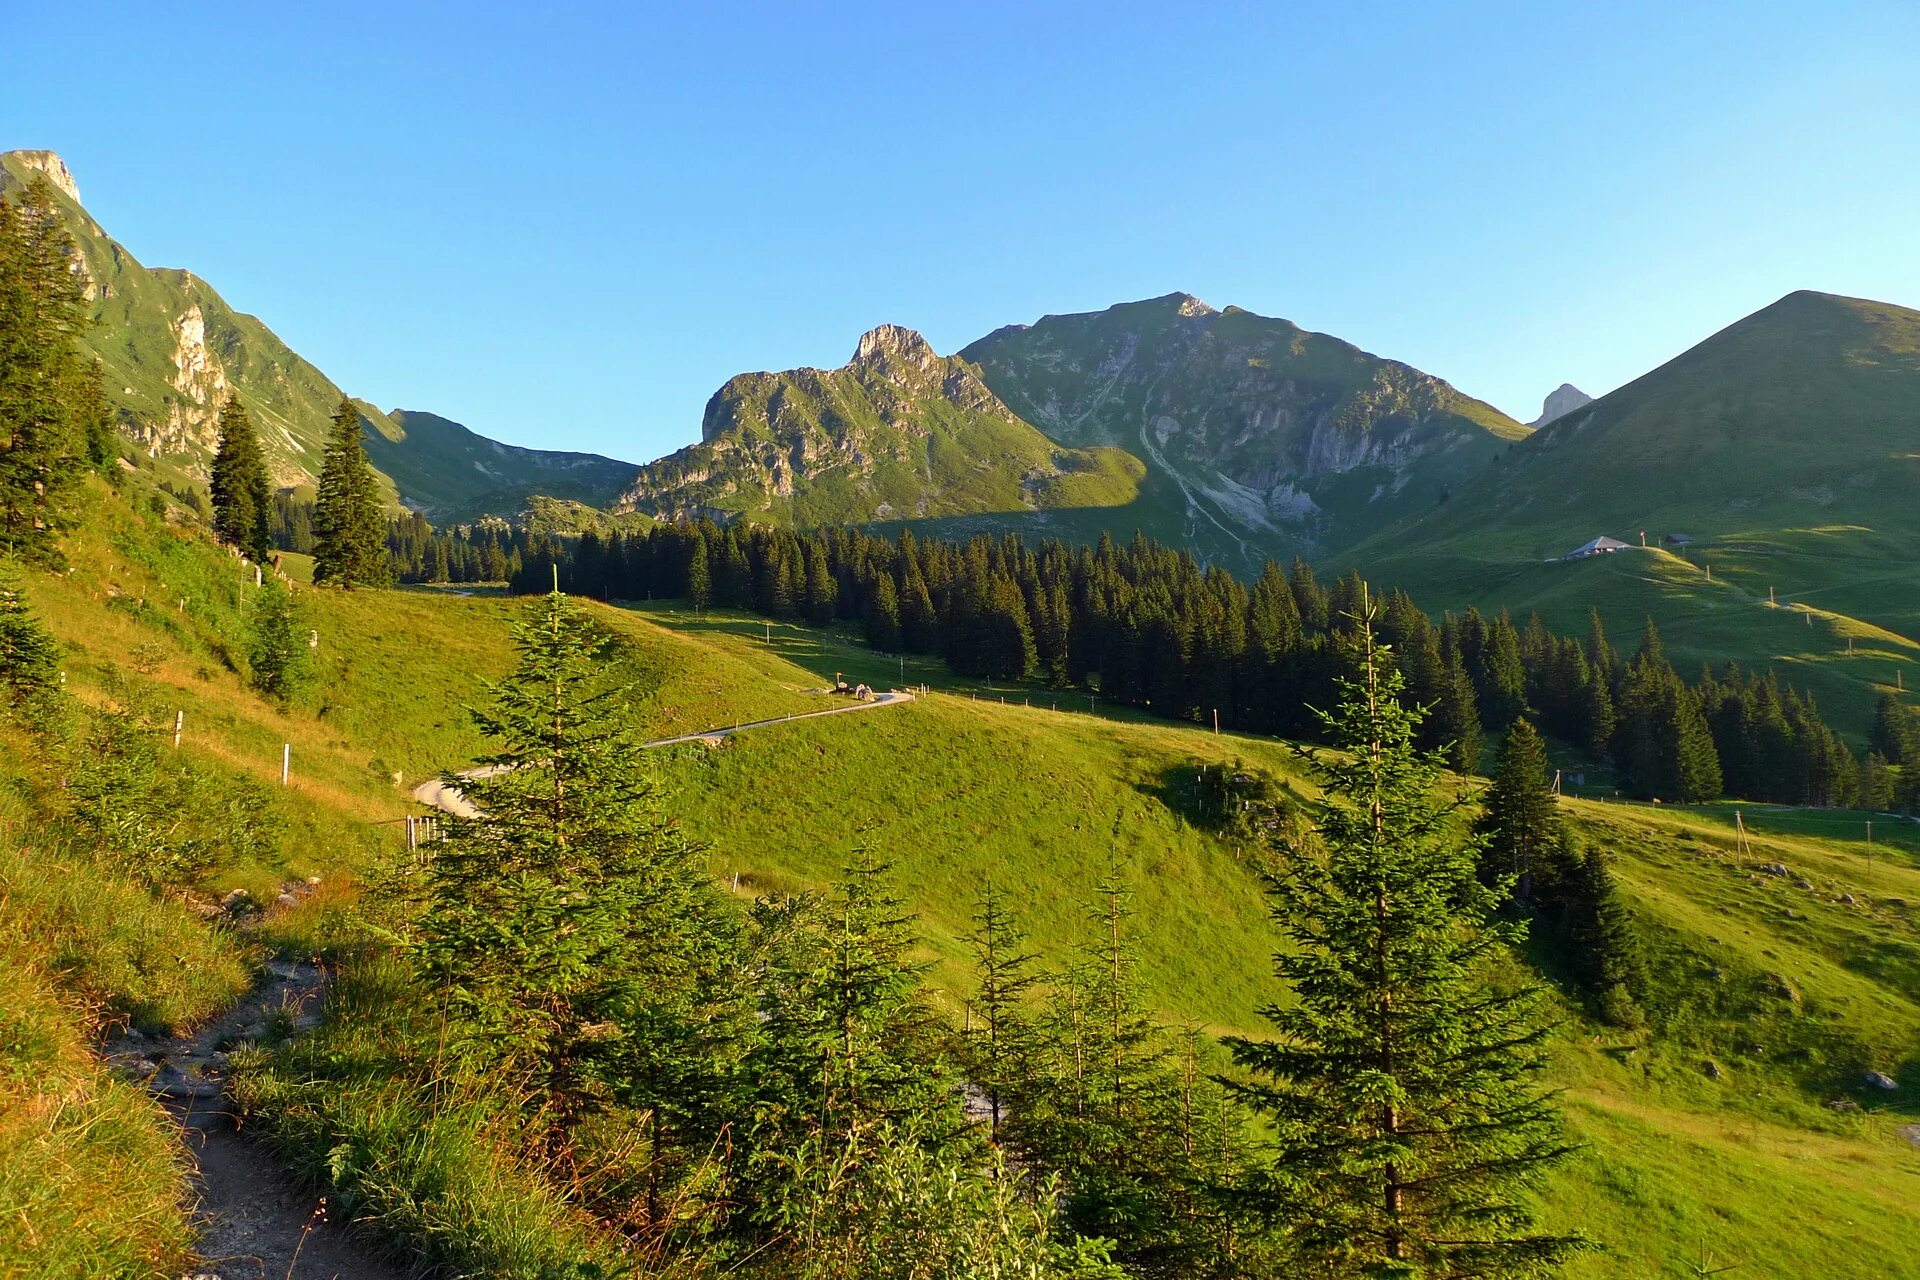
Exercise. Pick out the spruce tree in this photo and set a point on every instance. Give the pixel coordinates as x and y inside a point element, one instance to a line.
<point>1895,733</point>
<point>999,1043</point>
<point>1403,1086</point>
<point>699,575</point>
<point>1520,823</point>
<point>1600,939</point>
<point>822,594</point>
<point>1598,720</point>
<point>277,654</point>
<point>349,537</point>
<point>29,655</point>
<point>52,411</point>
<point>1457,714</point>
<point>242,499</point>
<point>570,924</point>
<point>883,614</point>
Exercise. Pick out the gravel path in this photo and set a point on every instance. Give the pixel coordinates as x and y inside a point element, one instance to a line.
<point>255,1222</point>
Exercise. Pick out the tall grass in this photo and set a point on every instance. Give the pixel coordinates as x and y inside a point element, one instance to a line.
<point>429,1165</point>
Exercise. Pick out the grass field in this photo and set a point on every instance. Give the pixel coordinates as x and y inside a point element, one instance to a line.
<point>1750,1165</point>
<point>1714,1135</point>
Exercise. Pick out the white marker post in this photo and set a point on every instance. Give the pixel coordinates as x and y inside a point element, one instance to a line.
<point>286,761</point>
<point>179,723</point>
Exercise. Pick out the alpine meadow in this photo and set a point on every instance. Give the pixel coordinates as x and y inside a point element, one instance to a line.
<point>1151,791</point>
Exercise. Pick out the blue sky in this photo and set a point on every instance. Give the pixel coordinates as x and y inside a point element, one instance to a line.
<point>567,231</point>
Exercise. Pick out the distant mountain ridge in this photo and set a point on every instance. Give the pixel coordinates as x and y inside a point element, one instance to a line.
<point>1804,414</point>
<point>1237,433</point>
<point>898,432</point>
<point>452,473</point>
<point>172,351</point>
<point>1265,426</point>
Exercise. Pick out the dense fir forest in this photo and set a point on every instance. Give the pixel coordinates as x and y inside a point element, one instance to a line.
<point>1147,626</point>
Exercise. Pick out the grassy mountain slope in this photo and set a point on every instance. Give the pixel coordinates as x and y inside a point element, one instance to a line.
<point>172,351</point>
<point>1787,446</point>
<point>1789,992</point>
<point>152,616</point>
<point>452,474</point>
<point>897,432</point>
<point>1269,433</point>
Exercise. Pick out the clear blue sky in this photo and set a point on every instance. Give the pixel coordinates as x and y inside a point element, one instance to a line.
<point>568,230</point>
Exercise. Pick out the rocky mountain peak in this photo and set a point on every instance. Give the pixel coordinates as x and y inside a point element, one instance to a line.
<point>1561,401</point>
<point>53,166</point>
<point>893,341</point>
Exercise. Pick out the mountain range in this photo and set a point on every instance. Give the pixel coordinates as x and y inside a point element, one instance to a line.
<point>1781,451</point>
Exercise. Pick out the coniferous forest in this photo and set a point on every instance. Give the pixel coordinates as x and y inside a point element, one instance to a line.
<point>1147,626</point>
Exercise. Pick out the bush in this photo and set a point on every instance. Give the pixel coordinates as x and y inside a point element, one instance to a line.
<point>156,815</point>
<point>277,653</point>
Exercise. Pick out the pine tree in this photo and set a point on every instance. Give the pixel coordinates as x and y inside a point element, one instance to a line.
<point>1103,1115</point>
<point>1520,823</point>
<point>699,576</point>
<point>349,537</point>
<point>1503,677</point>
<point>1601,940</point>
<point>1696,762</point>
<point>277,656</point>
<point>571,925</point>
<point>242,499</point>
<point>29,655</point>
<point>1599,721</point>
<point>822,595</point>
<point>883,614</point>
<point>1403,1087</point>
<point>1458,716</point>
<point>999,1041</point>
<point>1895,733</point>
<point>52,411</point>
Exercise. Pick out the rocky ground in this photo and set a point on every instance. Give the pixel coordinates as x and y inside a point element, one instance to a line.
<point>255,1221</point>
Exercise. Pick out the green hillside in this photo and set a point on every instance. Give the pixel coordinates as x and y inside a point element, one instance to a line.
<point>1786,447</point>
<point>452,474</point>
<point>172,351</point>
<point>1788,992</point>
<point>1771,993</point>
<point>1271,434</point>
<point>896,433</point>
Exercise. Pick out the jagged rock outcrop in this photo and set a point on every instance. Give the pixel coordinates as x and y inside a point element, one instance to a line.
<point>1560,402</point>
<point>53,166</point>
<point>898,431</point>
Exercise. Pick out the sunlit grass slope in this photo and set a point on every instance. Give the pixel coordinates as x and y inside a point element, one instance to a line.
<point>1785,446</point>
<point>1713,1134</point>
<point>1773,999</point>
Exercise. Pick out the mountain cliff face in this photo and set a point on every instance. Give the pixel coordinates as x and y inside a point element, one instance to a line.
<point>1560,402</point>
<point>172,351</point>
<point>1263,425</point>
<point>898,432</point>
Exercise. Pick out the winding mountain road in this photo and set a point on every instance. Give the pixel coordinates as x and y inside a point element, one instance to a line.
<point>436,794</point>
